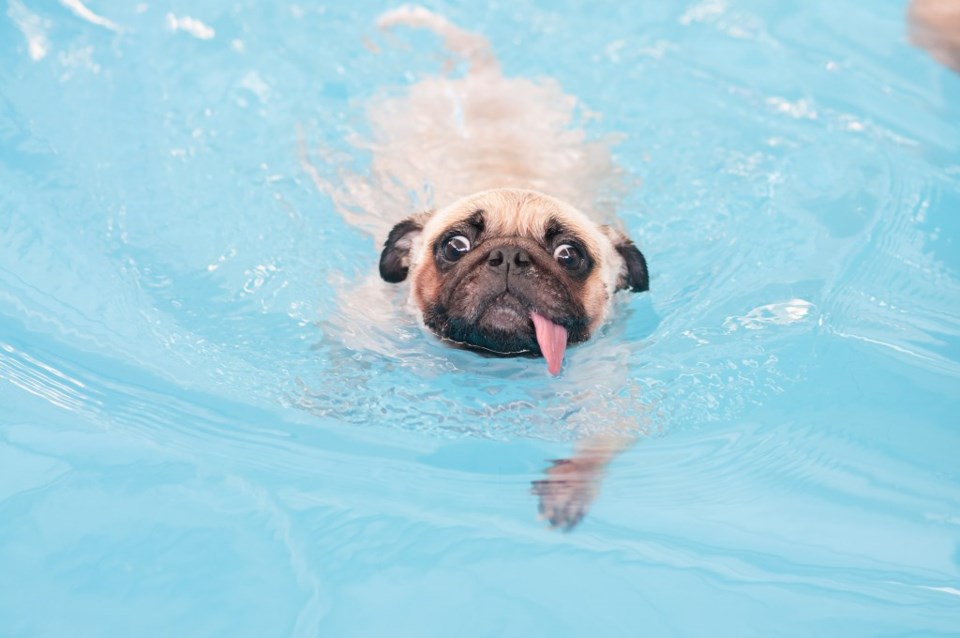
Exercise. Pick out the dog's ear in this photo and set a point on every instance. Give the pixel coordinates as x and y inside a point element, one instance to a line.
<point>633,271</point>
<point>395,258</point>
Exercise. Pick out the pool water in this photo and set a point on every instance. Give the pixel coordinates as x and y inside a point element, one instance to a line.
<point>193,444</point>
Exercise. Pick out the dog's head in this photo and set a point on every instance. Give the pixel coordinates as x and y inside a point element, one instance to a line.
<point>512,272</point>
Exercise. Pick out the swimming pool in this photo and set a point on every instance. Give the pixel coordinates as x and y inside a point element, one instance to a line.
<point>189,445</point>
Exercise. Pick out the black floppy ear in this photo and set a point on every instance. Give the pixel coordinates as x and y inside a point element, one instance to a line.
<point>395,258</point>
<point>633,273</point>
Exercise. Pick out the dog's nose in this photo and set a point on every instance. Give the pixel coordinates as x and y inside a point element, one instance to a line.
<point>505,257</point>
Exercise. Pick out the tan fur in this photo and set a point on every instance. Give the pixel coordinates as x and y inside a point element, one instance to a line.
<point>426,285</point>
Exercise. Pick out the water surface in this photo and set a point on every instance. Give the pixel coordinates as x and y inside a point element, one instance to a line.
<point>191,445</point>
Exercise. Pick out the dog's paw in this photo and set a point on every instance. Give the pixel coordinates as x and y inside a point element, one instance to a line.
<point>567,491</point>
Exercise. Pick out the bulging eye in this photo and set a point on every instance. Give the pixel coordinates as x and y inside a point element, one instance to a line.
<point>568,256</point>
<point>455,247</point>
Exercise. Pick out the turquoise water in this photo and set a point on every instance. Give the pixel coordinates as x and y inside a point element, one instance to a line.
<point>190,445</point>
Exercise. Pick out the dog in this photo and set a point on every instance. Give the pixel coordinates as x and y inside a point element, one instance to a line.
<point>516,251</point>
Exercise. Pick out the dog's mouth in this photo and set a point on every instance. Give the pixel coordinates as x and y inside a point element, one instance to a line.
<point>505,313</point>
<point>507,327</point>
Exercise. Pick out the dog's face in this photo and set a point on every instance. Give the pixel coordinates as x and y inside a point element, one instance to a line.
<point>512,272</point>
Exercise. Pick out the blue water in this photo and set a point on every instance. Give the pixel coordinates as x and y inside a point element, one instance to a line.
<point>188,446</point>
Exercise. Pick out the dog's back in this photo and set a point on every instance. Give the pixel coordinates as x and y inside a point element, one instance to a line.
<point>450,135</point>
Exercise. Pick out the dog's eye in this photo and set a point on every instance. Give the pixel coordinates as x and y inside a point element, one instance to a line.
<point>568,256</point>
<point>455,247</point>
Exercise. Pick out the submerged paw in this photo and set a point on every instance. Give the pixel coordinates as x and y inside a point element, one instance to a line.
<point>566,493</point>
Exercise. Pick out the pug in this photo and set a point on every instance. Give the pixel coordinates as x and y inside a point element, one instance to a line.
<point>510,272</point>
<point>518,252</point>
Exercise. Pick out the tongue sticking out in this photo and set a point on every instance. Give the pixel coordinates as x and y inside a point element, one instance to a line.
<point>553,341</point>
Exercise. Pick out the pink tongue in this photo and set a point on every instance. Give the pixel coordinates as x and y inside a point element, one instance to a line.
<point>553,341</point>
